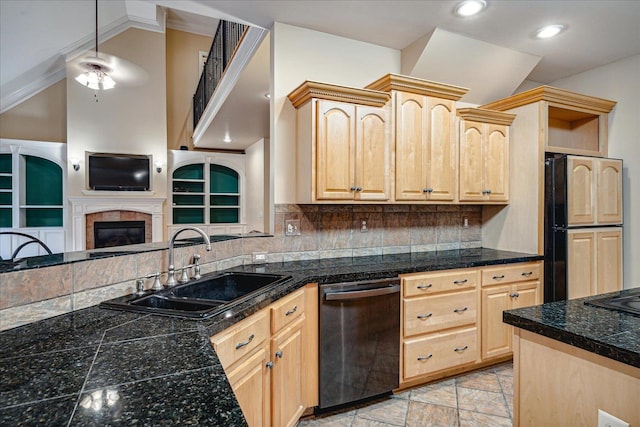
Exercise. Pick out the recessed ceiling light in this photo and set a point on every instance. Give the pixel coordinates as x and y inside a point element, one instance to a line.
<point>549,31</point>
<point>267,95</point>
<point>470,7</point>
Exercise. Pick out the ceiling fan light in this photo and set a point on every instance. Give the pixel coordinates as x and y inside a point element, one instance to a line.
<point>470,7</point>
<point>549,31</point>
<point>107,82</point>
<point>83,79</point>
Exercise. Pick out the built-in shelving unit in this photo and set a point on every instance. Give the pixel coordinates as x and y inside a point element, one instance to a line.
<point>6,185</point>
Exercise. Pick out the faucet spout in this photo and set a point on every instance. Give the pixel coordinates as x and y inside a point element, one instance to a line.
<point>171,280</point>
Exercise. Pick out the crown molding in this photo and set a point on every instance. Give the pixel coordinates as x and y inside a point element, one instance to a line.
<point>308,90</point>
<point>418,86</point>
<point>486,116</point>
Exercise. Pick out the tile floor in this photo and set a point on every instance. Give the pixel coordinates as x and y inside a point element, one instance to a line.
<point>479,398</point>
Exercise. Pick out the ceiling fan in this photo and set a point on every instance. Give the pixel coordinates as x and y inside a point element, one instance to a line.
<point>101,71</point>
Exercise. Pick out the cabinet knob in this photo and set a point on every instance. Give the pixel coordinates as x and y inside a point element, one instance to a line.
<point>514,295</point>
<point>425,190</point>
<point>429,190</point>
<point>279,354</point>
<point>358,188</point>
<point>427,357</point>
<point>353,188</point>
<point>269,365</point>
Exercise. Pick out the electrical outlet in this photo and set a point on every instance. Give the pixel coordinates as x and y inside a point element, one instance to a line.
<point>363,226</point>
<point>259,257</point>
<point>607,420</point>
<point>465,222</point>
<point>292,227</point>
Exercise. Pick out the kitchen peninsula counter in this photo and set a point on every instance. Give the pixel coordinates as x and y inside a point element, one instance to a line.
<point>103,367</point>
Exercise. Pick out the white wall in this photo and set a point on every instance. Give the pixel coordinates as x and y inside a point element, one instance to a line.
<point>300,54</point>
<point>618,81</point>
<point>131,118</point>
<point>255,188</point>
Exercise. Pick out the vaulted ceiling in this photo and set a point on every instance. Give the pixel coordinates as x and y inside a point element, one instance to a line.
<point>492,53</point>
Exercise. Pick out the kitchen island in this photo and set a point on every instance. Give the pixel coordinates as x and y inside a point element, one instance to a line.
<point>572,359</point>
<point>104,367</point>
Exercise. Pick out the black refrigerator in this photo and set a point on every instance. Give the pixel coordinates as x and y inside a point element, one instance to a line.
<point>557,226</point>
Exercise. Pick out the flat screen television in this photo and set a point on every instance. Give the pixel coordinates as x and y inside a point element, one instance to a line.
<point>119,172</point>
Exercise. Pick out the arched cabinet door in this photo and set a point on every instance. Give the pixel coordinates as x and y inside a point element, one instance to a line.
<point>581,207</point>
<point>471,161</point>
<point>609,181</point>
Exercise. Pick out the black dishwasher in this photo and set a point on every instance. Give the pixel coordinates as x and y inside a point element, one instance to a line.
<point>359,341</point>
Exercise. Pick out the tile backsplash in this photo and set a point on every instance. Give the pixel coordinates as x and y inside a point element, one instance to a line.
<point>326,231</point>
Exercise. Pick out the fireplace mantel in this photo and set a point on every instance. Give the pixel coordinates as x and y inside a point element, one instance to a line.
<point>81,206</point>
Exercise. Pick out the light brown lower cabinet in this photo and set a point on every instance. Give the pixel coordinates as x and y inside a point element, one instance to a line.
<point>264,355</point>
<point>506,288</point>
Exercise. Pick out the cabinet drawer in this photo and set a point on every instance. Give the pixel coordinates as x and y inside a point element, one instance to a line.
<point>509,274</point>
<point>286,310</point>
<point>241,339</point>
<point>440,351</point>
<point>429,283</point>
<point>429,314</point>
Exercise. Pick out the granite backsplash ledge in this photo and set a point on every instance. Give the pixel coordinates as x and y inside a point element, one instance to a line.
<point>78,280</point>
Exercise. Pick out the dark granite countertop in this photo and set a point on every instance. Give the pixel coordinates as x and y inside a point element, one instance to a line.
<point>104,367</point>
<point>609,333</point>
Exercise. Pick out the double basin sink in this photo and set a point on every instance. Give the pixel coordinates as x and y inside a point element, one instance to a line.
<point>199,299</point>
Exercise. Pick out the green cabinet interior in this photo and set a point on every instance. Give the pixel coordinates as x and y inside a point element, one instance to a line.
<point>223,195</point>
<point>5,196</point>
<point>5,218</point>
<point>5,163</point>
<point>43,187</point>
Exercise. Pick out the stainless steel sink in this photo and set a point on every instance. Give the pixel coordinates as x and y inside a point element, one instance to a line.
<point>200,299</point>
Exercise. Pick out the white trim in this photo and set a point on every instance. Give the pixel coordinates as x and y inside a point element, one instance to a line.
<point>245,51</point>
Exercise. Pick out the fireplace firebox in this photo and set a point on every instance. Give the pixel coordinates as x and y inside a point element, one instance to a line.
<point>117,233</point>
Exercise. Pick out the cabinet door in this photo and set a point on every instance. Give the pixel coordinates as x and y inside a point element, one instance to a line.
<point>609,189</point>
<point>496,163</point>
<point>250,382</point>
<point>286,353</point>
<point>525,294</point>
<point>496,335</point>
<point>581,278</point>
<point>580,190</point>
<point>471,162</point>
<point>609,260</point>
<point>411,152</point>
<point>373,156</point>
<point>335,151</point>
<point>441,150</point>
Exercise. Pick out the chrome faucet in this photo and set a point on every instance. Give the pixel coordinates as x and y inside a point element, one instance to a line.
<point>171,279</point>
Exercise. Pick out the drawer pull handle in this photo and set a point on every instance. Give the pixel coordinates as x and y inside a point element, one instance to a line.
<point>514,295</point>
<point>499,277</point>
<point>243,343</point>
<point>460,310</point>
<point>425,286</point>
<point>459,349</point>
<point>427,357</point>
<point>527,273</point>
<point>460,282</point>
<point>293,310</point>
<point>279,354</point>
<point>425,316</point>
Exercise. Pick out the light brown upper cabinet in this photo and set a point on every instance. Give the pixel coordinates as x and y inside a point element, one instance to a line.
<point>344,144</point>
<point>425,137</point>
<point>595,191</point>
<point>484,155</point>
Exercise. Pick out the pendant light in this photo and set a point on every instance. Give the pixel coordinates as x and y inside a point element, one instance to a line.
<point>96,76</point>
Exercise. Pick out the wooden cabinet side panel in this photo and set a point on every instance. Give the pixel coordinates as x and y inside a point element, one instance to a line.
<point>609,191</point>
<point>441,176</point>
<point>609,261</point>
<point>335,150</point>
<point>410,146</point>
<point>310,355</point>
<point>581,191</point>
<point>373,156</point>
<point>496,162</point>
<point>581,277</point>
<point>471,164</point>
